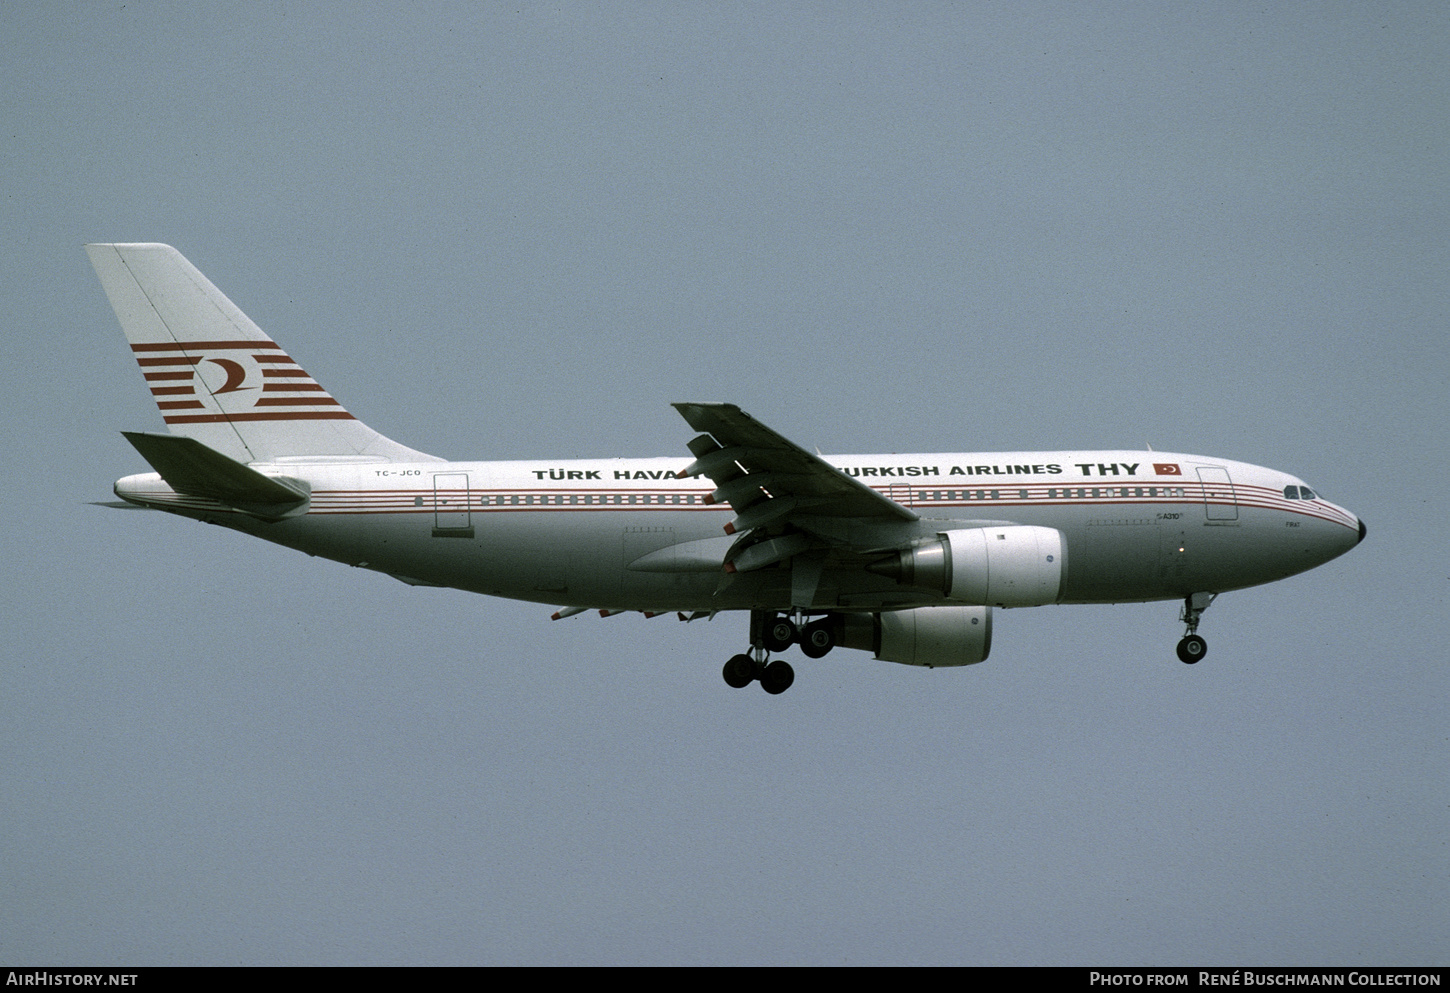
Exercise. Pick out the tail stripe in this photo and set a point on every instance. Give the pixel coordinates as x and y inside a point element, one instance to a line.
<point>170,360</point>
<point>297,402</point>
<point>273,365</point>
<point>200,346</point>
<point>318,415</point>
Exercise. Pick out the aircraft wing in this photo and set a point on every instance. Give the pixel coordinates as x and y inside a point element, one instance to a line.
<point>767,478</point>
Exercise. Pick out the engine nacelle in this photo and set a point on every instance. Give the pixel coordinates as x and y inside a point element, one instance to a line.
<point>929,636</point>
<point>1015,565</point>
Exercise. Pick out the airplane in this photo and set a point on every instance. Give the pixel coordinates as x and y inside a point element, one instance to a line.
<point>904,556</point>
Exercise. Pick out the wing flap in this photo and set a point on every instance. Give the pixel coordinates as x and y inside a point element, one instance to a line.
<point>794,473</point>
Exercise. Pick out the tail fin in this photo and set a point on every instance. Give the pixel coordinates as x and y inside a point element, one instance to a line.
<point>216,376</point>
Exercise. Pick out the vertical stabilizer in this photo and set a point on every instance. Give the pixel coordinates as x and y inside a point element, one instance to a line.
<point>215,375</point>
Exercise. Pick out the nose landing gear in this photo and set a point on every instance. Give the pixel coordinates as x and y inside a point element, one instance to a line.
<point>1192,647</point>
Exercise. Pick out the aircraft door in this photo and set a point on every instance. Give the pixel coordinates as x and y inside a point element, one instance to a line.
<point>1219,501</point>
<point>451,516</point>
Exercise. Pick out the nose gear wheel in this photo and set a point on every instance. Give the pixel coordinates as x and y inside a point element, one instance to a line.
<point>1192,647</point>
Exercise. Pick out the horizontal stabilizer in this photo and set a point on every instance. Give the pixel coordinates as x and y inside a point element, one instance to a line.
<point>191,468</point>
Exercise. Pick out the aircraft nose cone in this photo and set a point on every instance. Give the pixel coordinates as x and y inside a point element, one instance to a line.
<point>1362,530</point>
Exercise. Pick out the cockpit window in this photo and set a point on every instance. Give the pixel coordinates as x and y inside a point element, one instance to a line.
<point>1305,493</point>
<point>1291,493</point>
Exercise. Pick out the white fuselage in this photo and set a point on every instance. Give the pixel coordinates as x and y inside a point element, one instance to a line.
<point>627,534</point>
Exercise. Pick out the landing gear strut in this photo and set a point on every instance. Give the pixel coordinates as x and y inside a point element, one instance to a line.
<point>1192,647</point>
<point>770,632</point>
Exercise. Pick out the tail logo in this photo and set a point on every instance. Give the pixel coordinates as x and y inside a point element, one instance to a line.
<point>236,375</point>
<point>183,377</point>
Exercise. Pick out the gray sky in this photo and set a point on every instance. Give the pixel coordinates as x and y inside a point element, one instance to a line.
<point>497,232</point>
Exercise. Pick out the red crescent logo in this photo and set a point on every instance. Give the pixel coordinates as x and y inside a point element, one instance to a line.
<point>235,375</point>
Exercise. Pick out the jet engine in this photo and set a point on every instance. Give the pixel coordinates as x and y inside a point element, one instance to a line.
<point>1015,565</point>
<point>929,636</point>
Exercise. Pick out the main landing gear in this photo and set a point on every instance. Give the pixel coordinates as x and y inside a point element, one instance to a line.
<point>742,670</point>
<point>1192,647</point>
<point>770,632</point>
